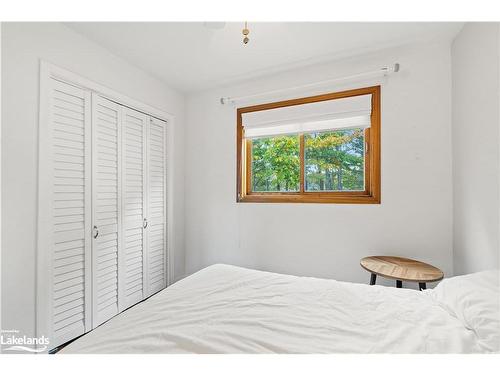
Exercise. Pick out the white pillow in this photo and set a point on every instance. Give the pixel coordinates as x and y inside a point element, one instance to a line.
<point>475,300</point>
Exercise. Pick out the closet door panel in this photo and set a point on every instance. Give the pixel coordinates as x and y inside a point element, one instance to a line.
<point>157,218</point>
<point>134,204</point>
<point>64,293</point>
<point>102,236</point>
<point>106,174</point>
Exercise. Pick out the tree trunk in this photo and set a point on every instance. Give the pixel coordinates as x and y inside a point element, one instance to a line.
<point>321,181</point>
<point>339,170</point>
<point>339,178</point>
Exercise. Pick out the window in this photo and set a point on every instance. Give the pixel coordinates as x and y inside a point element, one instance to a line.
<point>319,149</point>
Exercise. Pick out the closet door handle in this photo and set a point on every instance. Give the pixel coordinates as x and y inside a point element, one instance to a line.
<point>96,231</point>
<point>145,223</point>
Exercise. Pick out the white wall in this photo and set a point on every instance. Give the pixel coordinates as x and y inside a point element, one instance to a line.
<point>475,136</point>
<point>414,219</point>
<point>22,47</point>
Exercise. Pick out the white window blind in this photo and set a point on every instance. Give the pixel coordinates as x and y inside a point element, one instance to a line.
<point>329,115</point>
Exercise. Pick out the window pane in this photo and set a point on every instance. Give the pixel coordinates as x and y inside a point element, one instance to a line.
<point>334,161</point>
<point>276,164</point>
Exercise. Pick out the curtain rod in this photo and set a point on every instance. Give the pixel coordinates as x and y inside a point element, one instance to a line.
<point>385,71</point>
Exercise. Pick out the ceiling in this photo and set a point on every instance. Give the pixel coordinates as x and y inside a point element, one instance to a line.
<point>192,56</point>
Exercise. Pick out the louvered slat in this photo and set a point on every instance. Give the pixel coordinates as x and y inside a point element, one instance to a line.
<point>106,208</point>
<point>133,142</point>
<point>156,256</point>
<point>66,157</point>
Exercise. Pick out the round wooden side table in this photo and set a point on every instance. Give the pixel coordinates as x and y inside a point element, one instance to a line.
<point>401,269</point>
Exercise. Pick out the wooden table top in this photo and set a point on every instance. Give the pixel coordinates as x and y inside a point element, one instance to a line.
<point>401,269</point>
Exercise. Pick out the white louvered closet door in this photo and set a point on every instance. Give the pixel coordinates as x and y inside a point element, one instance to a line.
<point>156,206</point>
<point>106,206</point>
<point>134,204</point>
<point>64,293</point>
<point>102,218</point>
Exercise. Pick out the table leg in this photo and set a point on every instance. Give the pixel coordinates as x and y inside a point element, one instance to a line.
<point>399,284</point>
<point>373,279</point>
<point>422,286</point>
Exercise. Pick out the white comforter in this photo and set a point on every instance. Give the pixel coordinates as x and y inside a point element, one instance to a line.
<point>227,309</point>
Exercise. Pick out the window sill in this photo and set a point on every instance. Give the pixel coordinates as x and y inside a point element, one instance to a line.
<point>339,198</point>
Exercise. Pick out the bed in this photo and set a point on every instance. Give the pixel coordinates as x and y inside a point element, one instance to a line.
<point>228,309</point>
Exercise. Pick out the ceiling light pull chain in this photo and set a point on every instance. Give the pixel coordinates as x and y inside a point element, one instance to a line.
<point>245,32</point>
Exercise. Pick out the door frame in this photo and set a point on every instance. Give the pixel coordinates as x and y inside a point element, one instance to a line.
<point>51,71</point>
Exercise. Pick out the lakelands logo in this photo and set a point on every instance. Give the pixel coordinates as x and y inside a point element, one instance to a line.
<point>12,341</point>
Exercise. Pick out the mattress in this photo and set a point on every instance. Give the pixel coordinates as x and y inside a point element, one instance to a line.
<point>228,309</point>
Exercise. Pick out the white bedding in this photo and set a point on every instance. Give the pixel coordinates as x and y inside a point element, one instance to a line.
<point>227,309</point>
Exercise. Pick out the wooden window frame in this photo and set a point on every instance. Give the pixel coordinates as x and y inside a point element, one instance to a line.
<point>371,194</point>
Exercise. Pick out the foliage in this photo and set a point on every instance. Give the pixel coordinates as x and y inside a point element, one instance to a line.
<point>333,161</point>
<point>276,164</point>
